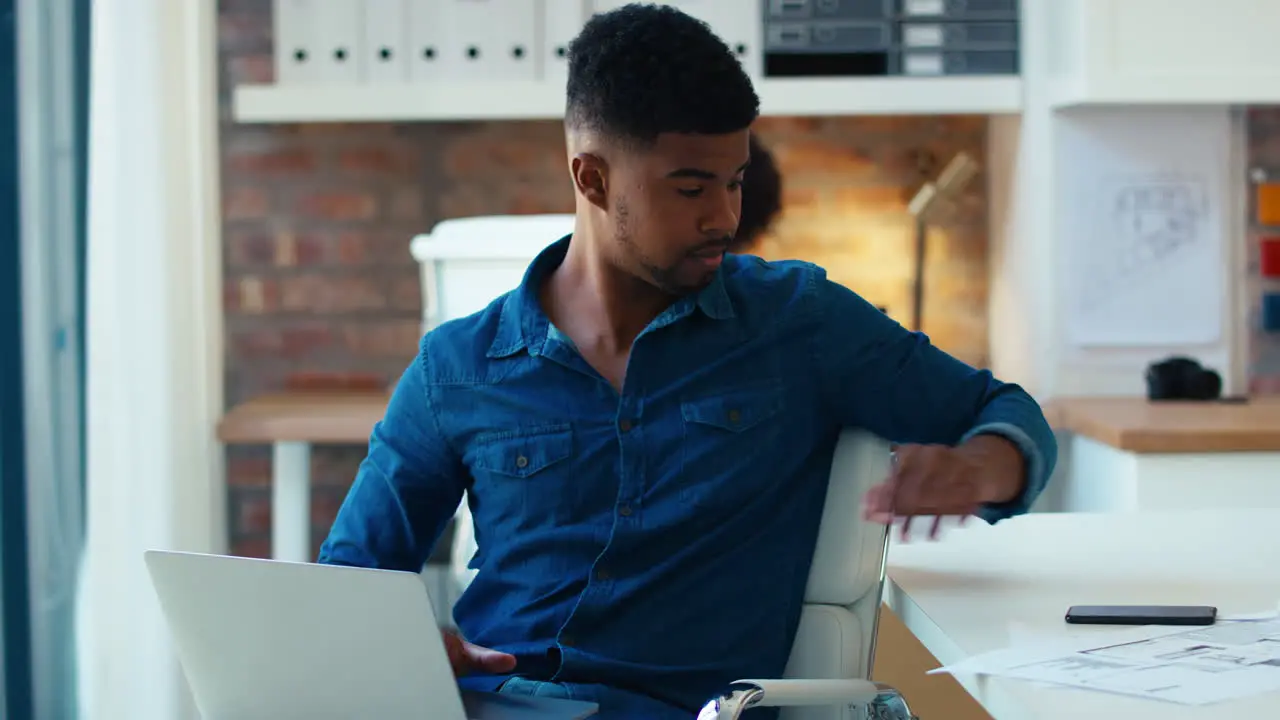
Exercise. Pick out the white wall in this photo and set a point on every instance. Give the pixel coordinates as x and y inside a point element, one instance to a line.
<point>1031,179</point>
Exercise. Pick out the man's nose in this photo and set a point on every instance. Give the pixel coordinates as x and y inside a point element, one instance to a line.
<point>722,218</point>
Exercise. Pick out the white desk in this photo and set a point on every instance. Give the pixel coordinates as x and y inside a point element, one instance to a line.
<point>961,595</point>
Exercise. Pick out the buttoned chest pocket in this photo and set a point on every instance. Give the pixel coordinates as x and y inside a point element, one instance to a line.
<point>729,441</point>
<point>522,476</point>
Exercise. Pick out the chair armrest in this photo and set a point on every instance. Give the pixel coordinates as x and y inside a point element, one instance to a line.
<point>886,702</point>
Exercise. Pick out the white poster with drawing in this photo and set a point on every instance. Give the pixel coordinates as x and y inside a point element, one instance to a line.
<point>1142,225</point>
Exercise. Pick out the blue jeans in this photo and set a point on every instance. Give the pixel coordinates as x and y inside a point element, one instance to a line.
<point>614,704</point>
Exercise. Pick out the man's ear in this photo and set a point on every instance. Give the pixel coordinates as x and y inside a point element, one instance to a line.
<point>591,178</point>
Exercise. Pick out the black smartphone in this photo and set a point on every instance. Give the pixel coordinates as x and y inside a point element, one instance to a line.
<point>1142,615</point>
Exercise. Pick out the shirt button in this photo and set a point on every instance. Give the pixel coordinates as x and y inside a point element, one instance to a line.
<point>625,511</point>
<point>624,425</point>
<point>522,462</point>
<point>567,640</point>
<point>603,575</point>
<point>734,416</point>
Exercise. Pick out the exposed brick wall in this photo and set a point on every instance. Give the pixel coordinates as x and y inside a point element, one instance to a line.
<point>318,219</point>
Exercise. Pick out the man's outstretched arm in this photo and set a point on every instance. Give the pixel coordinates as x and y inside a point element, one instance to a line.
<point>971,442</point>
<point>407,488</point>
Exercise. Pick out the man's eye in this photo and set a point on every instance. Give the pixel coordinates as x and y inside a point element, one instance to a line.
<point>735,186</point>
<point>690,192</point>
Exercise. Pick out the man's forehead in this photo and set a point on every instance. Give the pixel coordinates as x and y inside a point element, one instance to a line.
<point>716,153</point>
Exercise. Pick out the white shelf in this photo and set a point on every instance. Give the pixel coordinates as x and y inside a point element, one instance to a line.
<point>1262,88</point>
<point>529,100</point>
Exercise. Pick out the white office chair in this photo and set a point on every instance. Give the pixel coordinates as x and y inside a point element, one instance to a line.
<point>828,674</point>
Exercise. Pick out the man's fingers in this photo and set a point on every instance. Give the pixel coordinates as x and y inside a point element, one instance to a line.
<point>483,659</point>
<point>924,480</point>
<point>877,504</point>
<point>921,483</point>
<point>466,658</point>
<point>457,653</point>
<point>936,528</point>
<point>903,491</point>
<point>908,490</point>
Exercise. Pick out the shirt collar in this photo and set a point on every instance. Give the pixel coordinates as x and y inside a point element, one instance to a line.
<point>523,325</point>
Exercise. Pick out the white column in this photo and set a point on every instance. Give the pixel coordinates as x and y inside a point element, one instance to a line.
<point>154,343</point>
<point>1022,311</point>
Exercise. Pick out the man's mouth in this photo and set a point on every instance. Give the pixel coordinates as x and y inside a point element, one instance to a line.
<point>710,252</point>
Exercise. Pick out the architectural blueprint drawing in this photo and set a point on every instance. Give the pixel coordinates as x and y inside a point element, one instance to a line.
<point>1142,229</point>
<point>1190,667</point>
<point>1151,222</point>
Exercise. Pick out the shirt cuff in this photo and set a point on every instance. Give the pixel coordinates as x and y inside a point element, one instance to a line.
<point>1033,470</point>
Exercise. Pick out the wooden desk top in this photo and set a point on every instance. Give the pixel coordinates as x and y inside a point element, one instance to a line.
<point>1139,426</point>
<point>320,416</point>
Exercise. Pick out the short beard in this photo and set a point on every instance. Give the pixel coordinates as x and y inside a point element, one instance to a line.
<point>662,278</point>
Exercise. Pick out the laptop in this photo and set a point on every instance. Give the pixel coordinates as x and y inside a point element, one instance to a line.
<point>267,639</point>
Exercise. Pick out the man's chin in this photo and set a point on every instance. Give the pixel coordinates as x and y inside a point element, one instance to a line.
<point>693,286</point>
<point>689,278</point>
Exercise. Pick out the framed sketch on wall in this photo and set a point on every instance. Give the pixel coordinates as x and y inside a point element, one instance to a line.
<point>1143,224</point>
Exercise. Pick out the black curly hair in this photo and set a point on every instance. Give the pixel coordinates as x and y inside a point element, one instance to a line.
<point>643,70</point>
<point>761,197</point>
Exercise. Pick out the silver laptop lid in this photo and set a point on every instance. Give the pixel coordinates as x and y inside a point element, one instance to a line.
<point>277,640</point>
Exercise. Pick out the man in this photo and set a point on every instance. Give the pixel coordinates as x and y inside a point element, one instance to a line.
<point>644,428</point>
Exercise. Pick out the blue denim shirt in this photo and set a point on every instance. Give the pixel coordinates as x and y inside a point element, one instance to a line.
<point>655,540</point>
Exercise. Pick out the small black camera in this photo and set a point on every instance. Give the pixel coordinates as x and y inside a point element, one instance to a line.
<point>1182,378</point>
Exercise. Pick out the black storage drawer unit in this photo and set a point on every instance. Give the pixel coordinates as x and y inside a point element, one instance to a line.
<point>867,38</point>
<point>828,9</point>
<point>828,37</point>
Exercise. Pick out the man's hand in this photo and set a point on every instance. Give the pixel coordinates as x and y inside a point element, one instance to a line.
<point>940,480</point>
<point>467,658</point>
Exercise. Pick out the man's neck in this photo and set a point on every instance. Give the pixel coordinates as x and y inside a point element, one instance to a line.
<point>587,296</point>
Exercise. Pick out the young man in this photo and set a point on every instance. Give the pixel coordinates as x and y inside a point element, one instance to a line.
<point>644,428</point>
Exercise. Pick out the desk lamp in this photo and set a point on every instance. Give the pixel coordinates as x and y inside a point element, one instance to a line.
<point>927,199</point>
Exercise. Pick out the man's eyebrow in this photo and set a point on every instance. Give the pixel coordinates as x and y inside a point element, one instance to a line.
<point>692,173</point>
<point>701,174</point>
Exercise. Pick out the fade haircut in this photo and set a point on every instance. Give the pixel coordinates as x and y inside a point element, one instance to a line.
<point>643,70</point>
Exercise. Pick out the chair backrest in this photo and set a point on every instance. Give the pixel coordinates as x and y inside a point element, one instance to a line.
<point>837,634</point>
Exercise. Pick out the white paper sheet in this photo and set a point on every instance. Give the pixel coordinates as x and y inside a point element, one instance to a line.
<point>1232,659</point>
<point>1252,617</point>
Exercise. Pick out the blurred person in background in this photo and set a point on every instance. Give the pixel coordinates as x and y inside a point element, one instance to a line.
<point>761,199</point>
